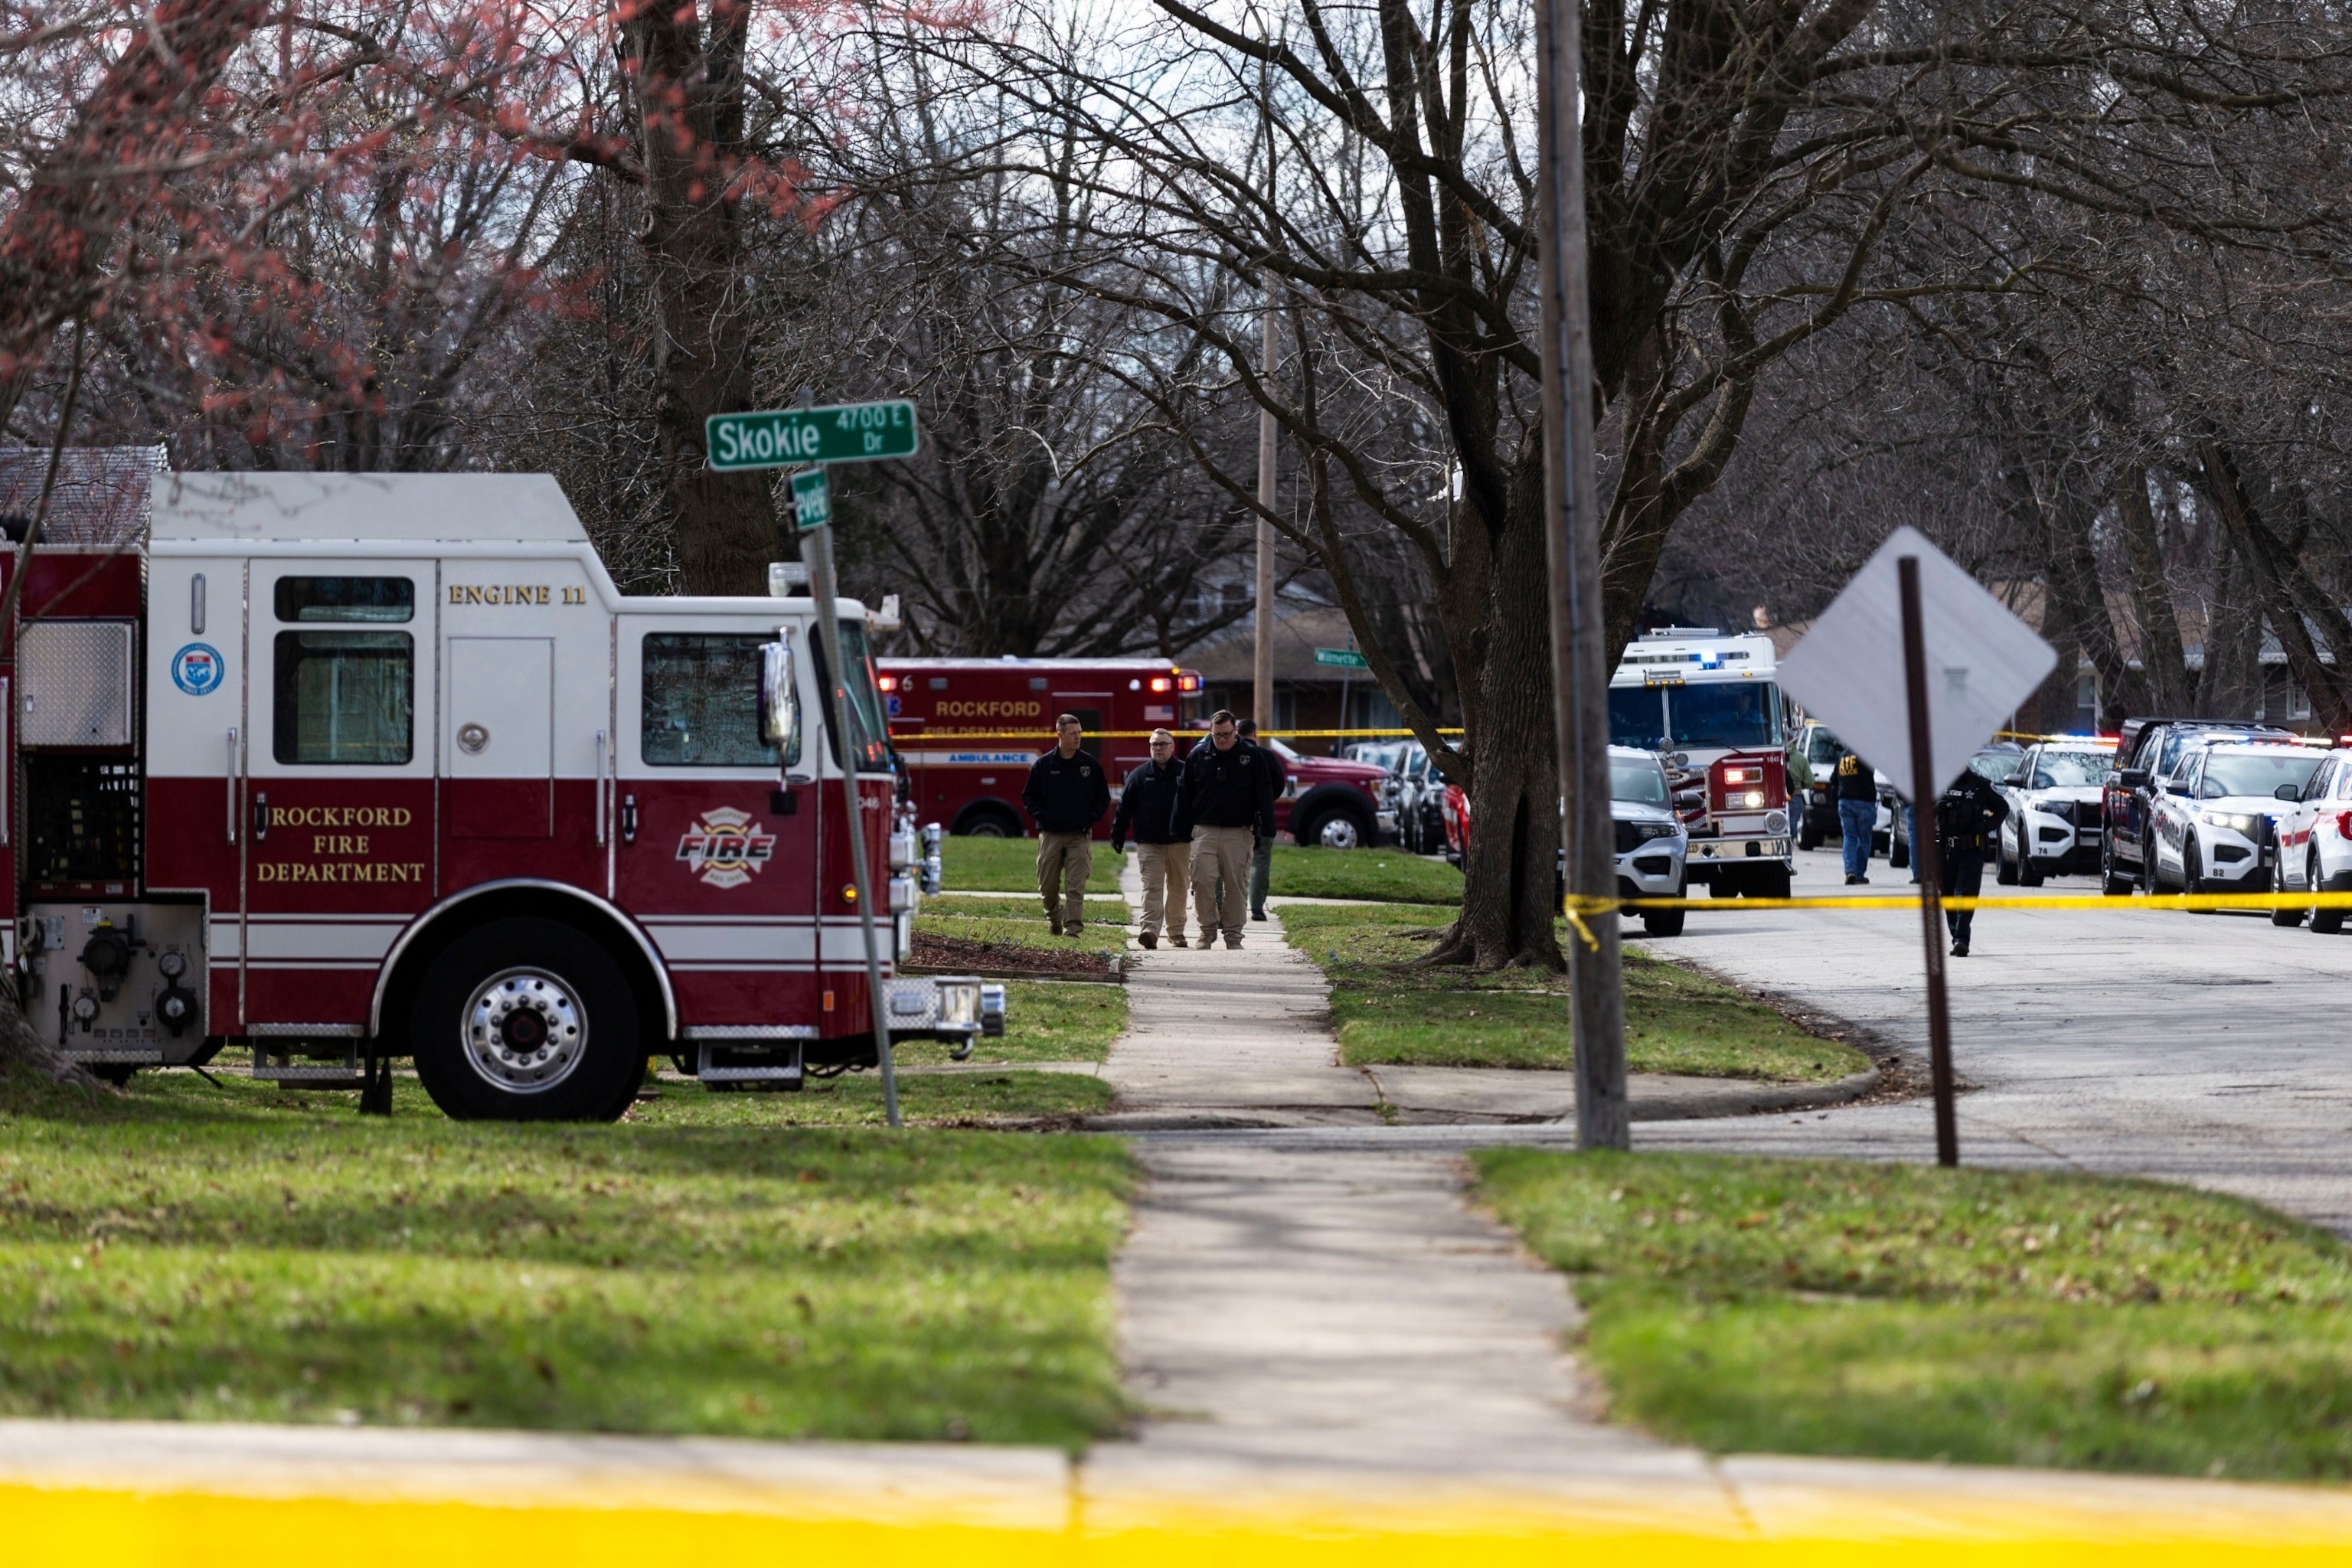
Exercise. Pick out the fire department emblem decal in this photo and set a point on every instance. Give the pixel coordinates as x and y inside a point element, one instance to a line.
<point>724,849</point>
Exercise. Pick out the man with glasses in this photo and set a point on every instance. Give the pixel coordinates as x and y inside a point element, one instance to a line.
<point>1229,793</point>
<point>1152,808</point>
<point>1066,794</point>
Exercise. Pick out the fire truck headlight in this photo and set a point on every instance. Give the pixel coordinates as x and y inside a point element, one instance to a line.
<point>991,1011</point>
<point>1753,799</point>
<point>902,852</point>
<point>959,1003</point>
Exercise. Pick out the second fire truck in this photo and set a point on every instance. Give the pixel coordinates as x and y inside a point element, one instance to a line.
<point>1709,706</point>
<point>339,768</point>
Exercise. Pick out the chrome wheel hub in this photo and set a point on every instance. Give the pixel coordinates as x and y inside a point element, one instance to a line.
<point>1340,833</point>
<point>525,1031</point>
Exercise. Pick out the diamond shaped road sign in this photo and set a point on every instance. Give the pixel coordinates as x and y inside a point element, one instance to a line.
<point>1982,662</point>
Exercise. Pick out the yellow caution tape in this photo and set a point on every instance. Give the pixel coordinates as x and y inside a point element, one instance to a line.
<point>2194,903</point>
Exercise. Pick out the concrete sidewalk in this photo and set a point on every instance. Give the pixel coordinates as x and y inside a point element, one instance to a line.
<point>1285,1308</point>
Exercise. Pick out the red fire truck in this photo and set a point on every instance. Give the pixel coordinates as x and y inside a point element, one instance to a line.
<point>1709,705</point>
<point>345,768</point>
<point>974,786</point>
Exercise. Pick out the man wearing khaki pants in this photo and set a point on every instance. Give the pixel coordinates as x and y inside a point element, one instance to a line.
<point>1066,794</point>
<point>1152,808</point>
<point>1229,793</point>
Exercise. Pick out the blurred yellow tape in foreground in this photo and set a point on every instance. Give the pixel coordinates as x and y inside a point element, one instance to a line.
<point>2155,903</point>
<point>2154,1524</point>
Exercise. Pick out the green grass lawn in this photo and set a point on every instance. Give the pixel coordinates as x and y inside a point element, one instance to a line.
<point>1010,865</point>
<point>1045,1021</point>
<point>1023,925</point>
<point>1388,876</point>
<point>1805,1305</point>
<point>243,1253</point>
<point>1677,1021</point>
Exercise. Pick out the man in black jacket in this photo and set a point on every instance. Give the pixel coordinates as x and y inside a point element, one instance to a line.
<point>1229,790</point>
<point>1151,807</point>
<point>1066,794</point>
<point>1968,818</point>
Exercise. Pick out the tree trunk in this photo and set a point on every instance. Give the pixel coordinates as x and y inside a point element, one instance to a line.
<point>687,89</point>
<point>1510,868</point>
<point>2161,654</point>
<point>2286,592</point>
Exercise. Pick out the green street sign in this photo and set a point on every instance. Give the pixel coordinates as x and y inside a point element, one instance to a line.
<point>788,437</point>
<point>812,500</point>
<point>1346,658</point>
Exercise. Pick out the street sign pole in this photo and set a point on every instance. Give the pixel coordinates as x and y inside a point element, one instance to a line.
<point>816,549</point>
<point>811,437</point>
<point>1927,854</point>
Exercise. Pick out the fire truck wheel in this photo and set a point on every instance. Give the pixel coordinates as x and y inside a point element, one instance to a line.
<point>528,1020</point>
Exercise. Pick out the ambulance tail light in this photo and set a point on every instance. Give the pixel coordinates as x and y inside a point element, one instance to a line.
<point>886,683</point>
<point>1163,683</point>
<point>1188,683</point>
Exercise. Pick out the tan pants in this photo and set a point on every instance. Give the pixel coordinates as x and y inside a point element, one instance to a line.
<point>1164,871</point>
<point>1067,859</point>
<point>1221,868</point>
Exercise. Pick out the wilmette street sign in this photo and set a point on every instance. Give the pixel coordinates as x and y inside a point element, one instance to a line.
<point>1346,658</point>
<point>812,500</point>
<point>788,437</point>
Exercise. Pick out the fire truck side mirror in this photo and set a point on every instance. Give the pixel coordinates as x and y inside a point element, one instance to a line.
<point>780,698</point>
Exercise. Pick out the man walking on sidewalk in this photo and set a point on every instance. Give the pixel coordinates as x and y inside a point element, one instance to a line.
<point>1856,788</point>
<point>1151,807</point>
<point>1066,794</point>
<point>1262,861</point>
<point>1229,793</point>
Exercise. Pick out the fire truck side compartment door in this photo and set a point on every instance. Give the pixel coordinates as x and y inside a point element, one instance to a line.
<point>500,737</point>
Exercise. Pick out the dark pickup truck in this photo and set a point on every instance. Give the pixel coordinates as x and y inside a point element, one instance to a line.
<point>2149,751</point>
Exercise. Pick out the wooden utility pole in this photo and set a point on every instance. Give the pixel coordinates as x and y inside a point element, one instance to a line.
<point>1262,689</point>
<point>1572,537</point>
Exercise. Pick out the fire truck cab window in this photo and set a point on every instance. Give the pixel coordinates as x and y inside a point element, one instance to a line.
<point>701,704</point>
<point>377,599</point>
<point>345,698</point>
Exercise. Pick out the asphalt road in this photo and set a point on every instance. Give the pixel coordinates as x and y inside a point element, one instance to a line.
<point>2207,1049</point>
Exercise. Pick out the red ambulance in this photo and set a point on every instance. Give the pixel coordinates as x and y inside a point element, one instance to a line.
<point>968,729</point>
<point>340,768</point>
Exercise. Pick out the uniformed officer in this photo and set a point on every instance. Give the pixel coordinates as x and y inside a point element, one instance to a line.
<point>1066,794</point>
<point>1967,817</point>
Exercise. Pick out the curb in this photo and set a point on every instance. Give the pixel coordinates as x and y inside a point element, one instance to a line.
<point>1763,1099</point>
